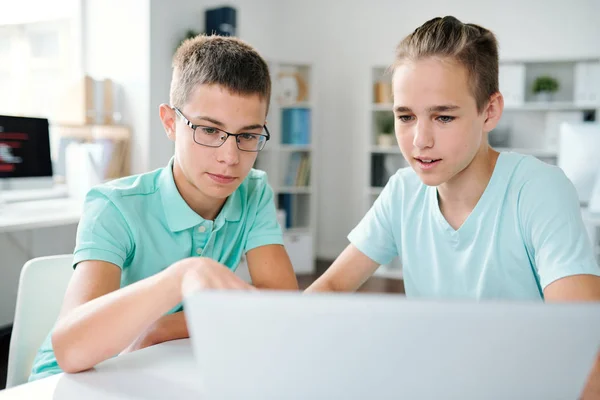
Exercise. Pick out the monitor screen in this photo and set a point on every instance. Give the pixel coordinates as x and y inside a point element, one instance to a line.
<point>24,147</point>
<point>578,156</point>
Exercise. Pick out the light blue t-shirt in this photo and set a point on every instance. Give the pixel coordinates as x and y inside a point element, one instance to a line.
<point>142,224</point>
<point>525,232</point>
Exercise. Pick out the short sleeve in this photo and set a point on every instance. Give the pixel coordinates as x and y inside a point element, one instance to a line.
<point>265,229</point>
<point>373,236</point>
<point>553,228</point>
<point>103,233</point>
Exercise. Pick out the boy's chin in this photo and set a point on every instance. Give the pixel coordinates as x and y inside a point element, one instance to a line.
<point>430,179</point>
<point>220,192</point>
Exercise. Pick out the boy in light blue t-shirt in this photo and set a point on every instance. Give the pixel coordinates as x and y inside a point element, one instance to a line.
<point>466,221</point>
<point>139,235</point>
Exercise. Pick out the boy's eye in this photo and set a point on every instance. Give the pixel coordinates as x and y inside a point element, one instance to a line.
<point>405,118</point>
<point>446,118</point>
<point>247,136</point>
<point>208,130</point>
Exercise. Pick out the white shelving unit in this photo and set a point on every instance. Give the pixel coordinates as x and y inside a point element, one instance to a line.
<point>282,158</point>
<point>531,126</point>
<point>383,159</point>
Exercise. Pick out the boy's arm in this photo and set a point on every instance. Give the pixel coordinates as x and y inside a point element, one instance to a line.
<point>372,243</point>
<point>347,273</point>
<point>166,328</point>
<point>270,268</point>
<point>97,321</point>
<point>574,288</point>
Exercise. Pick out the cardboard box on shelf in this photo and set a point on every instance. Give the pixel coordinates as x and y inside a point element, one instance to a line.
<point>87,101</point>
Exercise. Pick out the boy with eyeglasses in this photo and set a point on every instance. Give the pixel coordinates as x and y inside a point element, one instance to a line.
<point>139,235</point>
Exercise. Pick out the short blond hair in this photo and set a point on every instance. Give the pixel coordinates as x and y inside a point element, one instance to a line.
<point>226,61</point>
<point>472,46</point>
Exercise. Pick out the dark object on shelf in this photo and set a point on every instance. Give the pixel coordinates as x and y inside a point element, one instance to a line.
<point>378,175</point>
<point>499,138</point>
<point>589,116</point>
<point>220,21</point>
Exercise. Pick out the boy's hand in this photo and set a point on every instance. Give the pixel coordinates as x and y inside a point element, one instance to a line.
<point>198,273</point>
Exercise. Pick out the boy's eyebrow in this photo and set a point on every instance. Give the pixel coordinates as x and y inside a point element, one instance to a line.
<point>441,108</point>
<point>220,124</point>
<point>401,109</point>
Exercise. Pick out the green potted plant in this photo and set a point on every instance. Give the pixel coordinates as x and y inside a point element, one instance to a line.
<point>385,137</point>
<point>544,87</point>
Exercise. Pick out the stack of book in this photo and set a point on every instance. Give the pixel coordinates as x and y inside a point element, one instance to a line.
<point>298,173</point>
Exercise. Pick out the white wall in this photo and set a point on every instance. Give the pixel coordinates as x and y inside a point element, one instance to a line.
<point>27,11</point>
<point>116,40</point>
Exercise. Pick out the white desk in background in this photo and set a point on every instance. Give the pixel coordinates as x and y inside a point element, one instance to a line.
<point>164,371</point>
<point>34,214</point>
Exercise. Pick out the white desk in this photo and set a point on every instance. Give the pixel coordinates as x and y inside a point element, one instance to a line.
<point>36,214</point>
<point>164,371</point>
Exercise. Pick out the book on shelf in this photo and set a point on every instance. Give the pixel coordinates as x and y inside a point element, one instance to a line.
<point>298,172</point>
<point>295,126</point>
<point>287,203</point>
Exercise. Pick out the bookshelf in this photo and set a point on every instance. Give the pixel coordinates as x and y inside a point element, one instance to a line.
<point>384,157</point>
<point>529,124</point>
<point>289,158</point>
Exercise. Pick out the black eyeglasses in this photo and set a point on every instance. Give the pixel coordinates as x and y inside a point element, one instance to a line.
<point>210,136</point>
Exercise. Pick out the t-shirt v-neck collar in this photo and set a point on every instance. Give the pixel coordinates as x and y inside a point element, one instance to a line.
<point>477,210</point>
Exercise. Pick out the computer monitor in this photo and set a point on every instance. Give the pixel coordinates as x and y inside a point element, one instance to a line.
<point>579,157</point>
<point>25,161</point>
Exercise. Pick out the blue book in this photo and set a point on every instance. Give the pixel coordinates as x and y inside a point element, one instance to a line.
<point>295,126</point>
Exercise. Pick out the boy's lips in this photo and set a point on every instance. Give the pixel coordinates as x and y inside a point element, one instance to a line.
<point>221,178</point>
<point>426,163</point>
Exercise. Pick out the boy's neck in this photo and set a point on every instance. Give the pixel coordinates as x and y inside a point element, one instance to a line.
<point>463,191</point>
<point>206,207</point>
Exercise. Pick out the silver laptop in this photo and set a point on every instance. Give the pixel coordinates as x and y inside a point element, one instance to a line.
<point>275,345</point>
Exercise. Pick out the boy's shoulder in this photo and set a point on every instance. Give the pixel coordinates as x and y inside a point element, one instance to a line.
<point>530,172</point>
<point>133,185</point>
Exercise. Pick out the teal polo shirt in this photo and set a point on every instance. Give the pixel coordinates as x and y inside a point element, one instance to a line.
<point>143,225</point>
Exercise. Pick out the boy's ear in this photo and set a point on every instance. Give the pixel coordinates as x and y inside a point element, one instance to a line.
<point>168,117</point>
<point>493,112</point>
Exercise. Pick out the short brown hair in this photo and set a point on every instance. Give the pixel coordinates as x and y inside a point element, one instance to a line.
<point>225,61</point>
<point>472,46</point>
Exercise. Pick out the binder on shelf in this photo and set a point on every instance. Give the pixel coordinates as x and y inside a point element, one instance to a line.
<point>286,203</point>
<point>89,101</point>
<point>295,126</point>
